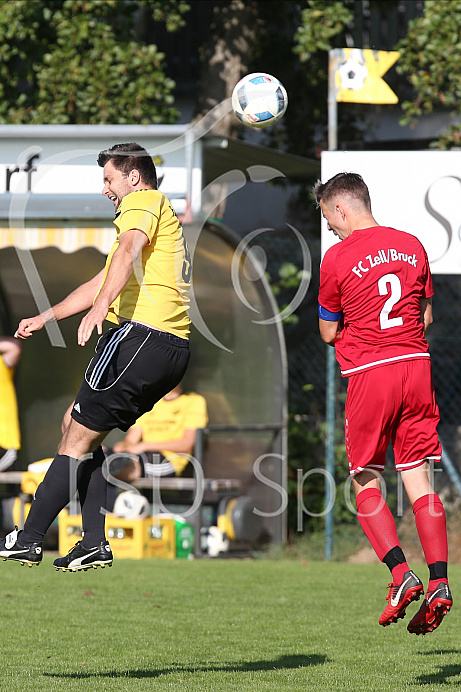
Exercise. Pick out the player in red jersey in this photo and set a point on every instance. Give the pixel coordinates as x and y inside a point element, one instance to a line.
<point>374,307</point>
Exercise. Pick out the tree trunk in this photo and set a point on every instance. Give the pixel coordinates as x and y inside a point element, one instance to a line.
<point>225,60</point>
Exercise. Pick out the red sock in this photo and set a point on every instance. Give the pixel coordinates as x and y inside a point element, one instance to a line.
<point>378,525</point>
<point>432,531</point>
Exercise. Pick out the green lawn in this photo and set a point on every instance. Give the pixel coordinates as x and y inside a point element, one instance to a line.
<point>217,625</point>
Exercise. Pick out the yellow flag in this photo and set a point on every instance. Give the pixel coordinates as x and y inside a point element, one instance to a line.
<point>358,75</point>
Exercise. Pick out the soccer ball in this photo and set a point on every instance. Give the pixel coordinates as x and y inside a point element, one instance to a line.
<point>214,541</point>
<point>259,100</point>
<point>131,505</point>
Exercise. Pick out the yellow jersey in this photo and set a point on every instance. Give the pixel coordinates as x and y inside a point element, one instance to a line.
<point>157,292</point>
<point>9,422</point>
<point>169,419</point>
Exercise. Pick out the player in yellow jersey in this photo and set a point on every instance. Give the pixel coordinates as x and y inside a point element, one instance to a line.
<point>144,290</point>
<point>10,437</point>
<point>162,440</point>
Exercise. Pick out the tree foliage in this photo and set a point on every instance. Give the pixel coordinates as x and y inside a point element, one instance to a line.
<point>321,21</point>
<point>83,62</point>
<point>430,58</point>
<point>288,40</point>
<point>292,42</point>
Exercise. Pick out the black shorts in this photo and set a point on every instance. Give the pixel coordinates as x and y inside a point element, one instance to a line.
<point>133,368</point>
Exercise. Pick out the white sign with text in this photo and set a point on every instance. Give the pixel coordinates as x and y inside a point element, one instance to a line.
<point>56,165</point>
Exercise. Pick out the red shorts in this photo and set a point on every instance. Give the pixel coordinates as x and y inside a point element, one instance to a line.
<point>392,403</point>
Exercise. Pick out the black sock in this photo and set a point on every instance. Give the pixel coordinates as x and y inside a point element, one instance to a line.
<point>51,496</point>
<point>394,557</point>
<point>438,570</point>
<point>92,490</point>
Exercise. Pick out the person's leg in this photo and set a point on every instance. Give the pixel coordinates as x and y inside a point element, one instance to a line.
<point>366,452</point>
<point>372,407</point>
<point>372,399</point>
<point>378,525</point>
<point>92,492</point>
<point>120,466</point>
<point>53,494</point>
<point>93,550</point>
<point>430,523</point>
<point>66,418</point>
<point>417,442</point>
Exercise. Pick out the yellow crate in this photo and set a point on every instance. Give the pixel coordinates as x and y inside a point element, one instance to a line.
<point>129,538</point>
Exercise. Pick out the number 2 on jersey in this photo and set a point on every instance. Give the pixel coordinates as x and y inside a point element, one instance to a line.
<point>389,284</point>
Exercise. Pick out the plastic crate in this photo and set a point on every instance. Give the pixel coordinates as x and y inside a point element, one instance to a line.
<point>128,538</point>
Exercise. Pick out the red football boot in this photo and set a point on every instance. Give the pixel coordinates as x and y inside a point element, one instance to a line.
<point>436,605</point>
<point>400,595</point>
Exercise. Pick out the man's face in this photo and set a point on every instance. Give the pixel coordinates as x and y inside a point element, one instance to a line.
<point>116,184</point>
<point>335,220</point>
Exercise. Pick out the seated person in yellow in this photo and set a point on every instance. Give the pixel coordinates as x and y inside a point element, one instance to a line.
<point>10,439</point>
<point>160,438</point>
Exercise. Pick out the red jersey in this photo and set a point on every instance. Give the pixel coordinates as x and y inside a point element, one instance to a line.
<point>377,277</point>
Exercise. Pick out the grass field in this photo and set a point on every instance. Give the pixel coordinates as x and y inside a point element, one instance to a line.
<point>216,625</point>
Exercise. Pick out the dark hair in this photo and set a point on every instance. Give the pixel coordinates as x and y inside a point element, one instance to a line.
<point>351,184</point>
<point>130,156</point>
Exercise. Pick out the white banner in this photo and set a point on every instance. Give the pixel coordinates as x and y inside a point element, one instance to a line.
<point>43,161</point>
<point>414,191</point>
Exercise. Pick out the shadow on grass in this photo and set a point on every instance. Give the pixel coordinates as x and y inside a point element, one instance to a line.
<point>444,673</point>
<point>284,662</point>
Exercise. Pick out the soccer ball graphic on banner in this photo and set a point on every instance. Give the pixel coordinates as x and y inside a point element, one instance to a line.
<point>259,100</point>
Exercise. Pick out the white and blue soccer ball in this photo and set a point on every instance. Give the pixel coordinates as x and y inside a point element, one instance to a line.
<point>259,100</point>
<point>131,505</point>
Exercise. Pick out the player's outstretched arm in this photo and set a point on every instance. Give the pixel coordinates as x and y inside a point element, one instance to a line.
<point>79,300</point>
<point>121,267</point>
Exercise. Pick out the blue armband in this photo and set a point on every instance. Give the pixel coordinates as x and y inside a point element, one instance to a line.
<point>330,316</point>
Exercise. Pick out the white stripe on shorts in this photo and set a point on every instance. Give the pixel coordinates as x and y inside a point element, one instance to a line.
<point>107,354</point>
